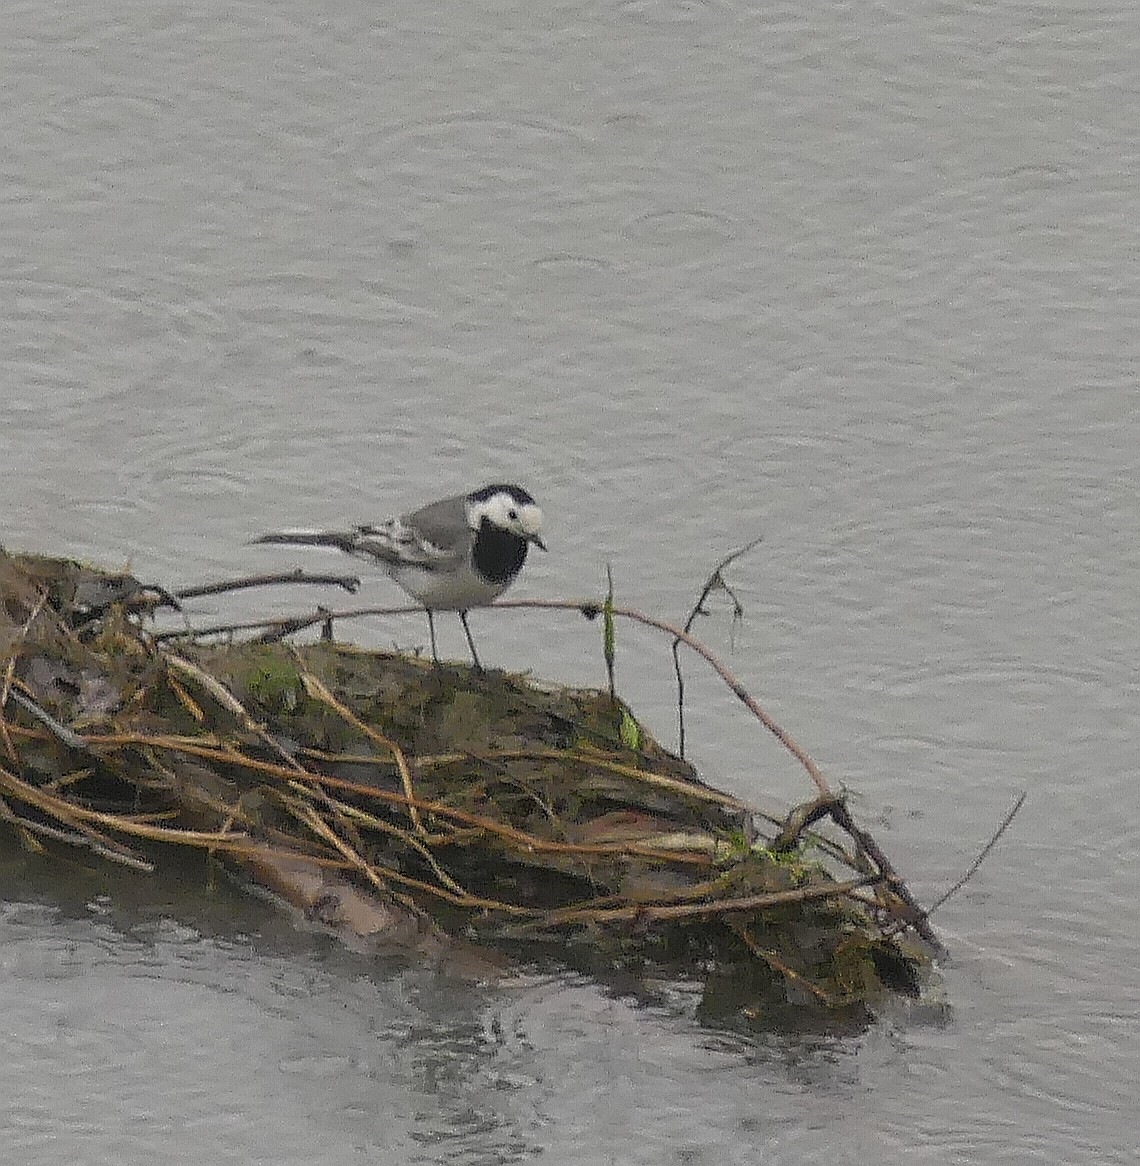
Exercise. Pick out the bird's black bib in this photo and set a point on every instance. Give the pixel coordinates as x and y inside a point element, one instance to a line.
<point>498,554</point>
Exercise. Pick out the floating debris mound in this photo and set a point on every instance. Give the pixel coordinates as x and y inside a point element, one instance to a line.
<point>462,818</point>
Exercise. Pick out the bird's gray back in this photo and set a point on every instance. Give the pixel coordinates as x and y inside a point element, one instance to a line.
<point>443,524</point>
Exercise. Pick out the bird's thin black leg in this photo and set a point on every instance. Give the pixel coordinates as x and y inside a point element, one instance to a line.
<point>431,629</point>
<point>470,641</point>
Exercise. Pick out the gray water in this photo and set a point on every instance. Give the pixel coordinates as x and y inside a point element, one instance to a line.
<point>861,279</point>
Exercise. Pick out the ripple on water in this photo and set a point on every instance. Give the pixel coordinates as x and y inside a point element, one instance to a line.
<point>506,148</point>
<point>671,13</point>
<point>694,228</point>
<point>585,280</point>
<point>571,264</point>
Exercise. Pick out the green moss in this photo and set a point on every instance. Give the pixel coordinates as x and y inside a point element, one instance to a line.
<point>275,685</point>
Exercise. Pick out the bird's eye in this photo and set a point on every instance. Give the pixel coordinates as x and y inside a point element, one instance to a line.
<point>513,515</point>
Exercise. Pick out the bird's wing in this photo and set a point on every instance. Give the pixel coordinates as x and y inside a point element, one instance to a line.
<point>436,537</point>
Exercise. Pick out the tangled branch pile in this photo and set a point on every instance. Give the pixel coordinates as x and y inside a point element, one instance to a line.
<point>429,807</point>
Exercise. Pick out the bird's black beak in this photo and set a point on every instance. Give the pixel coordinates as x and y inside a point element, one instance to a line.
<point>537,541</point>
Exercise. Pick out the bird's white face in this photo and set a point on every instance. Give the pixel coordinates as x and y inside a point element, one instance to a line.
<point>508,513</point>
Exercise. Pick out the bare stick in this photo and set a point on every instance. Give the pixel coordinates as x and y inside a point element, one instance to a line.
<point>69,738</point>
<point>10,671</point>
<point>73,839</point>
<point>232,705</point>
<point>981,856</point>
<point>913,914</point>
<point>281,626</point>
<point>78,816</point>
<point>350,583</point>
<point>608,637</point>
<point>778,965</point>
<point>714,582</point>
<point>757,902</point>
<point>318,691</point>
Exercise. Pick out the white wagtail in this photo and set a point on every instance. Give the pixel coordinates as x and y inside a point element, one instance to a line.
<point>450,555</point>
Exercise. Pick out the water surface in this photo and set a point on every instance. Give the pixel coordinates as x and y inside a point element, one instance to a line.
<point>862,281</point>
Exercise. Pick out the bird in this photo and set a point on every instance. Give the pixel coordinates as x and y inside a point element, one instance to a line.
<point>451,555</point>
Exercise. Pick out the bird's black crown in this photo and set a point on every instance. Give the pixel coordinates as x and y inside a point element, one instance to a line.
<point>516,492</point>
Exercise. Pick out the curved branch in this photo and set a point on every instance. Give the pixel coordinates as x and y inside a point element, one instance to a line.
<point>591,609</point>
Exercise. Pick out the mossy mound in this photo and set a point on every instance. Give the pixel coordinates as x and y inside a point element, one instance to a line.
<point>433,809</point>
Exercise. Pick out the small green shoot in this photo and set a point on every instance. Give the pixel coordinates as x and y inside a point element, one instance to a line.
<point>630,731</point>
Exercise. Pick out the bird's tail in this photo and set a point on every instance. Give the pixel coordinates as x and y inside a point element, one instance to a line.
<point>342,540</point>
